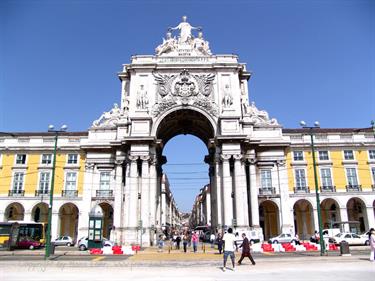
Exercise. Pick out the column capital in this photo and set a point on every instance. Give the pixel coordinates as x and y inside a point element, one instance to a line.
<point>119,162</point>
<point>238,156</point>
<point>89,166</point>
<point>145,157</point>
<point>225,157</point>
<point>133,157</point>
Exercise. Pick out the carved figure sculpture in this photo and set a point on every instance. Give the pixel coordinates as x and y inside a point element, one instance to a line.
<point>201,45</point>
<point>142,99</point>
<point>185,30</point>
<point>168,45</point>
<point>227,97</point>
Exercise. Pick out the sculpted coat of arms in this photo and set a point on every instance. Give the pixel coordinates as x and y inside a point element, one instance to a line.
<point>184,89</point>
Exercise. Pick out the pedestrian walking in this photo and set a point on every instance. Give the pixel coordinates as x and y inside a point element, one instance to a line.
<point>194,241</point>
<point>220,243</point>
<point>212,240</point>
<point>178,241</point>
<point>229,247</point>
<point>372,244</point>
<point>185,241</point>
<point>160,243</point>
<point>245,250</point>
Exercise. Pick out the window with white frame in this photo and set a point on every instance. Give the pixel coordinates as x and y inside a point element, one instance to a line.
<point>21,159</point>
<point>18,182</point>
<point>326,177</point>
<point>266,179</point>
<point>46,159</point>
<point>373,174</point>
<point>298,155</point>
<point>71,181</point>
<point>351,175</point>
<point>323,155</point>
<point>105,179</point>
<point>44,182</point>
<point>371,154</point>
<point>300,178</point>
<point>348,155</point>
<point>72,158</point>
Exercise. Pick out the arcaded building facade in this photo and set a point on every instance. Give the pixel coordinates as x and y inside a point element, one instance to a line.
<point>260,174</point>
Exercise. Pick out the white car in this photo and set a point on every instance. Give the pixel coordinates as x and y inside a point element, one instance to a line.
<point>283,238</point>
<point>64,241</point>
<point>351,238</point>
<point>82,243</point>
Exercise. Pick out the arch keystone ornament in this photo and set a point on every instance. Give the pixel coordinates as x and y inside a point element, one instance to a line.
<point>186,91</point>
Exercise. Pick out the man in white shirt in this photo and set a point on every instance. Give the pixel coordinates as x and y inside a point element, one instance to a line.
<point>229,247</point>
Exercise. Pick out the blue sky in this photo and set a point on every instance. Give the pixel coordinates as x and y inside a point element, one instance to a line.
<point>311,60</point>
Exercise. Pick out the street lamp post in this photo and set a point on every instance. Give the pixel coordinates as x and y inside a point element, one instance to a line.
<point>51,129</point>
<point>311,133</point>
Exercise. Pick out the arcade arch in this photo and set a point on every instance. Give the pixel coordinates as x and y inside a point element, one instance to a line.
<point>303,219</point>
<point>107,210</point>
<point>330,212</point>
<point>40,212</point>
<point>357,213</point>
<point>14,212</point>
<point>68,220</point>
<point>269,218</point>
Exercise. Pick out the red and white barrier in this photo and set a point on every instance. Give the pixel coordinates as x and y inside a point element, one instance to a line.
<point>116,250</point>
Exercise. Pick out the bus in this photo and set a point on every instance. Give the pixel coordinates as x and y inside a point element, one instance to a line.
<point>12,232</point>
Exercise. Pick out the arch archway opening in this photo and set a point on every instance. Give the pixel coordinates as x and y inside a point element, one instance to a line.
<point>68,220</point>
<point>357,215</point>
<point>40,213</point>
<point>330,212</point>
<point>303,219</point>
<point>269,219</point>
<point>14,212</point>
<point>107,219</point>
<point>185,134</point>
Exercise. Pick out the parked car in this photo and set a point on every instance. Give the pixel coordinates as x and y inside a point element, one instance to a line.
<point>64,241</point>
<point>283,238</point>
<point>83,242</point>
<point>28,243</point>
<point>351,238</point>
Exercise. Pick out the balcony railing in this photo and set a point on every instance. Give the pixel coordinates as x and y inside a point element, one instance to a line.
<point>351,187</point>
<point>16,193</point>
<point>69,193</point>
<point>302,189</point>
<point>328,188</point>
<point>41,192</point>
<point>267,191</point>
<point>104,193</point>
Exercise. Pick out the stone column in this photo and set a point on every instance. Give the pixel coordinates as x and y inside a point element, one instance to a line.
<point>55,225</point>
<point>287,222</point>
<point>87,192</point>
<point>208,206</point>
<point>344,217</point>
<point>118,209</point>
<point>218,192</point>
<point>163,205</point>
<point>133,193</point>
<point>227,191</point>
<point>145,192</point>
<point>153,196</point>
<point>254,194</point>
<point>240,192</point>
<point>370,217</point>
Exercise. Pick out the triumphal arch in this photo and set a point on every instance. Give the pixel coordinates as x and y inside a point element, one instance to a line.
<point>183,89</point>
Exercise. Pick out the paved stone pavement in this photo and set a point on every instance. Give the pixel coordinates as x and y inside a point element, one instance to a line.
<point>277,267</point>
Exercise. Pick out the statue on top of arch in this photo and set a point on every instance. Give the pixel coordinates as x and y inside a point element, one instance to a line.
<point>111,118</point>
<point>185,43</point>
<point>259,117</point>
